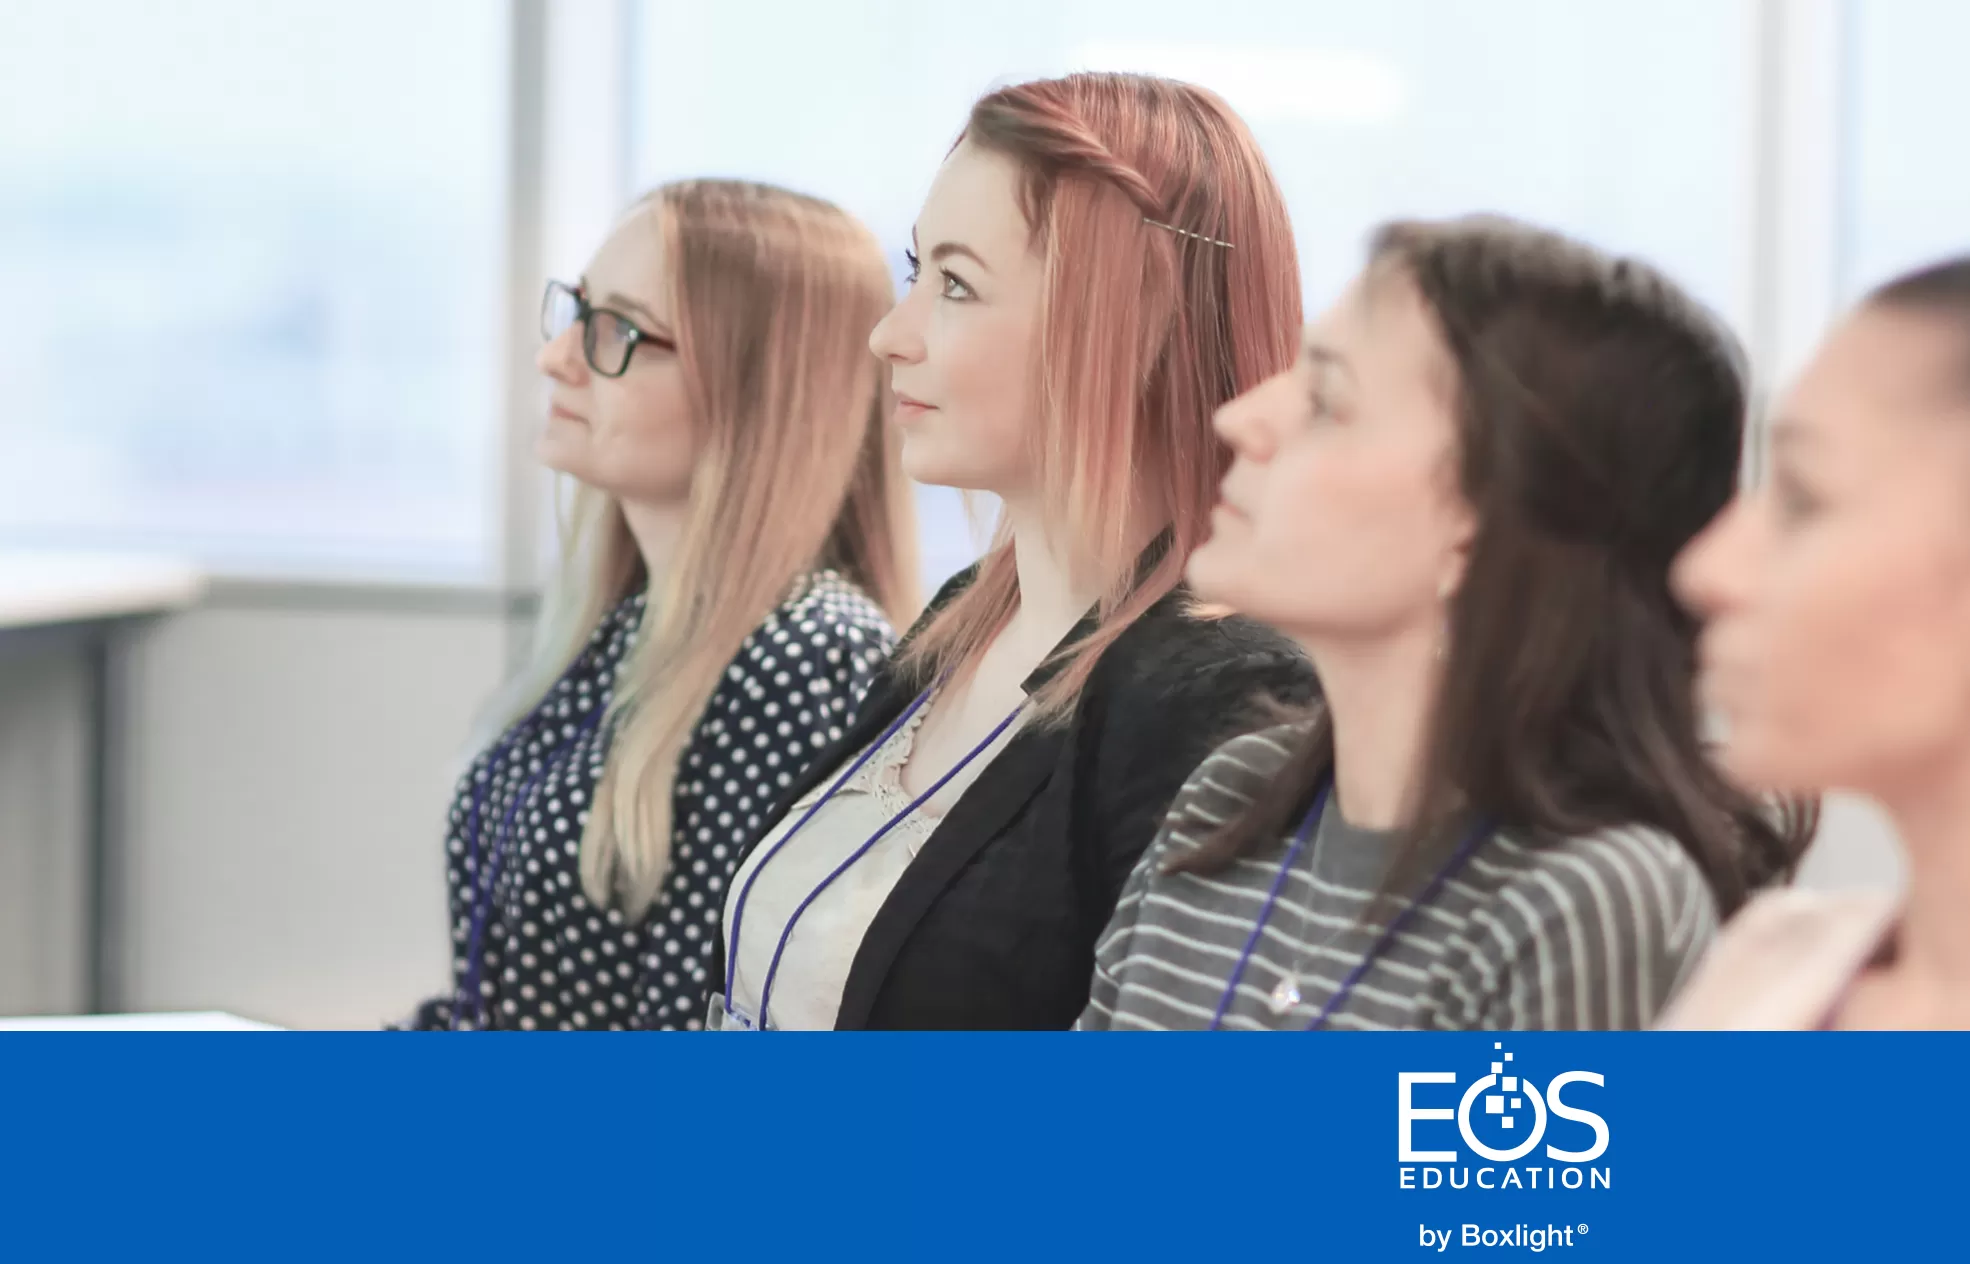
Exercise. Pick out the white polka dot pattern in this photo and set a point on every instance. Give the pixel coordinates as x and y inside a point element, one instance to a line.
<point>549,959</point>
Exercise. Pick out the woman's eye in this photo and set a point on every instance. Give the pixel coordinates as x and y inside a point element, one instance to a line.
<point>1793,501</point>
<point>916,267</point>
<point>1324,407</point>
<point>1795,504</point>
<point>954,287</point>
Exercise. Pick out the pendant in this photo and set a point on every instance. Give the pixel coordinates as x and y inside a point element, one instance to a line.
<point>1284,996</point>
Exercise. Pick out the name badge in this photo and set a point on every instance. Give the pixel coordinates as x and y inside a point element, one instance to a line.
<point>722,1019</point>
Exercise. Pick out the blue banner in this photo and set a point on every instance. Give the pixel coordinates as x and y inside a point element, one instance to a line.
<point>1000,1147</point>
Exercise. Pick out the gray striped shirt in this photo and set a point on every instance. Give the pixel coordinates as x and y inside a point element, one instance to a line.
<point>1592,932</point>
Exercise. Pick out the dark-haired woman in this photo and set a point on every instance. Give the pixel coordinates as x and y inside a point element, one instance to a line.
<point>1838,605</point>
<point>1502,817</point>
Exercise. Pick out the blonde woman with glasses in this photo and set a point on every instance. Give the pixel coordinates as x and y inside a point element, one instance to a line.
<point>736,556</point>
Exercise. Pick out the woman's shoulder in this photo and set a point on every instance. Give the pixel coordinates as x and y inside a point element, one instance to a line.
<point>1178,685</point>
<point>1248,763</point>
<point>615,632</point>
<point>1229,780</point>
<point>1181,632</point>
<point>1783,961</point>
<point>1183,655</point>
<point>827,605</point>
<point>1635,856</point>
<point>1590,931</point>
<point>826,630</point>
<point>1634,886</point>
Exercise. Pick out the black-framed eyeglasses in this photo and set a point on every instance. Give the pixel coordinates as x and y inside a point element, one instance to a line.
<point>608,338</point>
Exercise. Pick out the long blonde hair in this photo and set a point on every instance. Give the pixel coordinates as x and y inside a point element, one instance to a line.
<point>776,293</point>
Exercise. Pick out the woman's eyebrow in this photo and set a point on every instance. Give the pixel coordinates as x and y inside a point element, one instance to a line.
<point>945,249</point>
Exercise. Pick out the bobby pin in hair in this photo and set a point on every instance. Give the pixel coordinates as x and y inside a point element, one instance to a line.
<point>1185,232</point>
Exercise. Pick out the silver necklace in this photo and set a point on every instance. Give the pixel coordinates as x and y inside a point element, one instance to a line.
<point>1286,993</point>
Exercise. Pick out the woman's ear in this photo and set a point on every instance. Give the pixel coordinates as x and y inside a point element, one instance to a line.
<point>1457,551</point>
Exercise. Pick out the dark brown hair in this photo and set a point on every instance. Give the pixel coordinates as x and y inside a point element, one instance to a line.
<point>1600,416</point>
<point>1939,290</point>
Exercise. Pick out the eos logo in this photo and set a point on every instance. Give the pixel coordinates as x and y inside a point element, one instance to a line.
<point>1502,1117</point>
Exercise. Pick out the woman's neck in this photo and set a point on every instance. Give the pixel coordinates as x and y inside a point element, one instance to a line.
<point>656,528</point>
<point>1378,698</point>
<point>1056,586</point>
<point>1932,816</point>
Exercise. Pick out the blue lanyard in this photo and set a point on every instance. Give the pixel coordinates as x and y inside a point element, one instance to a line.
<point>745,891</point>
<point>1478,833</point>
<point>483,883</point>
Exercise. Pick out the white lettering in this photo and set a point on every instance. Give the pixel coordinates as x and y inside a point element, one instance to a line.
<point>1407,1113</point>
<point>1408,1178</point>
<point>1460,1172</point>
<point>1482,1183</point>
<point>1588,1117</point>
<point>1512,1180</point>
<point>1571,1177</point>
<point>1518,1151</point>
<point>1432,1178</point>
<point>1600,1178</point>
<point>1519,1235</point>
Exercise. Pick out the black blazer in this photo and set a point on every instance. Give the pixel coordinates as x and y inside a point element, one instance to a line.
<point>993,925</point>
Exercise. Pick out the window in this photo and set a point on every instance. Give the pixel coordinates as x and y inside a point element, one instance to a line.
<point>253,259</point>
<point>1625,121</point>
<point>1906,185</point>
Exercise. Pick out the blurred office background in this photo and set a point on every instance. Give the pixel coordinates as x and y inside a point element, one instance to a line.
<point>268,284</point>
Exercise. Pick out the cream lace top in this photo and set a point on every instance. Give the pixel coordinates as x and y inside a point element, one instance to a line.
<point>814,968</point>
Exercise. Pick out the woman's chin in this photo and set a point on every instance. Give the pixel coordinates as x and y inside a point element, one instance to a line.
<point>1209,572</point>
<point>923,463</point>
<point>1755,767</point>
<point>557,456</point>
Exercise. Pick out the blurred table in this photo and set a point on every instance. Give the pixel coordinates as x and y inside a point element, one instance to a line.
<point>208,1021</point>
<point>48,590</point>
<point>78,602</point>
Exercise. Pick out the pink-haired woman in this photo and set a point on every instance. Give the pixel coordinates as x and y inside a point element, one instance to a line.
<point>1101,261</point>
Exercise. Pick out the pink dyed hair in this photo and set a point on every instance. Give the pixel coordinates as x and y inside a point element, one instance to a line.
<point>1143,331</point>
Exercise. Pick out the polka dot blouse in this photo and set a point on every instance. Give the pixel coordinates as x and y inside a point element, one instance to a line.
<point>529,951</point>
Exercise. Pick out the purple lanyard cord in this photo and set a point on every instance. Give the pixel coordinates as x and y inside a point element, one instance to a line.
<point>745,891</point>
<point>1307,826</point>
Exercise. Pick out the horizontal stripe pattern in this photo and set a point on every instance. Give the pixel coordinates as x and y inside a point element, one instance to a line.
<point>1530,934</point>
